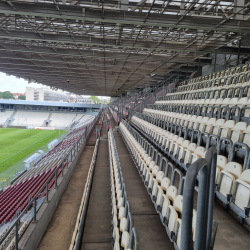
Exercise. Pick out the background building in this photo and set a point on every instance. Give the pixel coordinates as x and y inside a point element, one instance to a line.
<point>16,95</point>
<point>82,99</point>
<point>43,94</point>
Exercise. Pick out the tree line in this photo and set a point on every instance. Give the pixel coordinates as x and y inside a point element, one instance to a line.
<point>9,95</point>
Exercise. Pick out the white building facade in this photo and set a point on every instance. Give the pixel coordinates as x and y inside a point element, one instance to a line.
<point>43,94</point>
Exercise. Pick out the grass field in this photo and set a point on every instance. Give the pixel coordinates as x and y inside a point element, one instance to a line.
<point>15,144</point>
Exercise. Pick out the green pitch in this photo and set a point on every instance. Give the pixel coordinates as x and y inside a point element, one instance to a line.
<point>15,144</point>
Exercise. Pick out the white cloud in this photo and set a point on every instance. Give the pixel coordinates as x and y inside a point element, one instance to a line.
<point>14,85</point>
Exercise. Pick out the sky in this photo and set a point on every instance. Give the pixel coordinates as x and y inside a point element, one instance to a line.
<point>15,85</point>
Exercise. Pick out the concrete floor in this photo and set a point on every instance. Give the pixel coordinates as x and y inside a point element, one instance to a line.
<point>97,232</point>
<point>230,235</point>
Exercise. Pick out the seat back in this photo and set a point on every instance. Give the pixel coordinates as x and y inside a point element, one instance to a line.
<point>242,186</point>
<point>209,125</point>
<point>178,203</point>
<point>165,183</point>
<point>236,132</point>
<point>219,123</point>
<point>228,125</point>
<point>221,161</point>
<point>234,168</point>
<point>171,193</point>
<point>245,176</point>
<point>172,218</point>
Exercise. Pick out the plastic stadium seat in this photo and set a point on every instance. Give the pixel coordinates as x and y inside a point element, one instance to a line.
<point>237,131</point>
<point>242,190</point>
<point>231,172</point>
<point>216,127</point>
<point>246,136</point>
<point>221,164</point>
<point>198,153</point>
<point>188,152</point>
<point>226,128</point>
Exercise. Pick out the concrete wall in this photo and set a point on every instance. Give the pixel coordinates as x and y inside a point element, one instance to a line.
<point>21,127</point>
<point>35,231</point>
<point>220,63</point>
<point>113,98</point>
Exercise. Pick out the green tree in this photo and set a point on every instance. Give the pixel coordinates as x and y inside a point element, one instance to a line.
<point>95,99</point>
<point>7,95</point>
<point>22,97</point>
<point>1,95</point>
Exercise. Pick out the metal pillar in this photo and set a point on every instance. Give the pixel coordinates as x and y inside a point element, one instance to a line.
<point>56,179</point>
<point>16,238</point>
<point>211,157</point>
<point>47,192</point>
<point>238,58</point>
<point>188,198</point>
<point>34,210</point>
<point>215,59</point>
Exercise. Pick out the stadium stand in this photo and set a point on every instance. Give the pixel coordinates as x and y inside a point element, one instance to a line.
<point>62,120</point>
<point>184,152</point>
<point>38,119</point>
<point>185,123</point>
<point>4,116</point>
<point>26,118</point>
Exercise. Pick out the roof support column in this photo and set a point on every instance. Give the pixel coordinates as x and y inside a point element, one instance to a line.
<point>239,5</point>
<point>182,7</point>
<point>124,5</point>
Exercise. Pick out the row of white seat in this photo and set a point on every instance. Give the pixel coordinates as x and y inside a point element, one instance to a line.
<point>4,232</point>
<point>235,108</point>
<point>228,91</point>
<point>231,180</point>
<point>84,121</point>
<point>241,78</point>
<point>124,234</point>
<point>29,118</point>
<point>167,198</point>
<point>227,72</point>
<point>242,102</point>
<point>9,242</point>
<point>237,132</point>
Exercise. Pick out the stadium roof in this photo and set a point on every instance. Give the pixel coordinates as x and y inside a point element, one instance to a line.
<point>55,104</point>
<point>109,47</point>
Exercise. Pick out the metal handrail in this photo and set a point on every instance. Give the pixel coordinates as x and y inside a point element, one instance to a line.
<point>77,234</point>
<point>75,147</point>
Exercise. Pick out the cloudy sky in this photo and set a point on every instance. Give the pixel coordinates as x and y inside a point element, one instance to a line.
<point>14,85</point>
